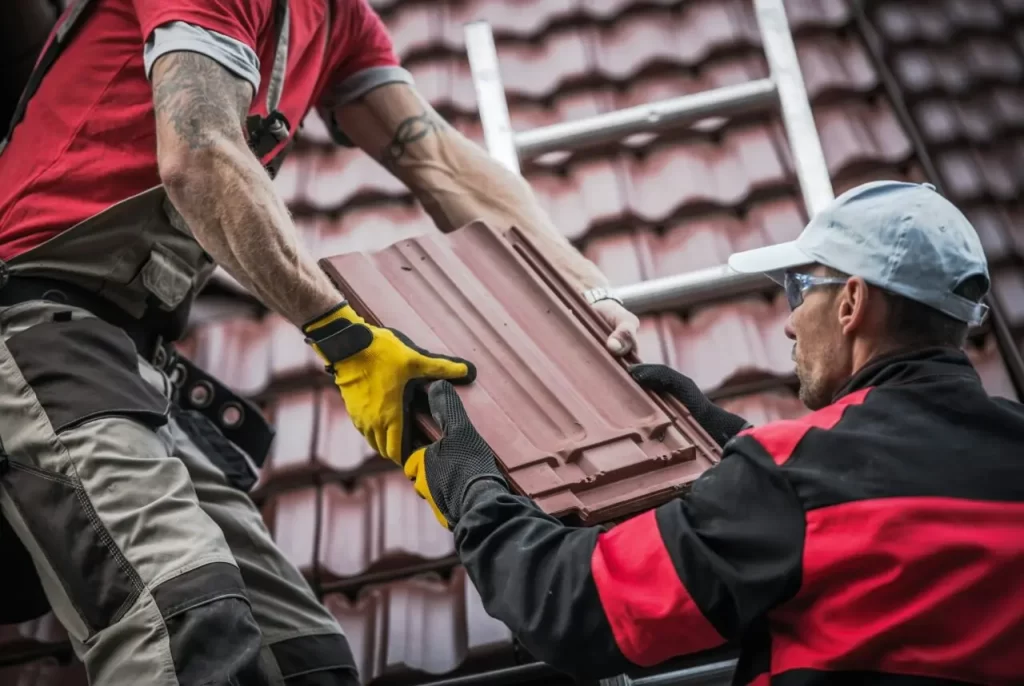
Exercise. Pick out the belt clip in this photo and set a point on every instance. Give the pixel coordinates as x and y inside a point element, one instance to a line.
<point>161,358</point>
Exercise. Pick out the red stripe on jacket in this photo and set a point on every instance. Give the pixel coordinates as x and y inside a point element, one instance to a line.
<point>781,438</point>
<point>652,615</point>
<point>921,586</point>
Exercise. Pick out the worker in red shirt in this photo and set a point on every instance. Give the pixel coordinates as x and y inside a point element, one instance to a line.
<point>877,540</point>
<point>141,155</point>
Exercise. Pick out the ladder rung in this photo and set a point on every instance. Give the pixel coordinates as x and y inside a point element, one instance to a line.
<point>650,117</point>
<point>690,288</point>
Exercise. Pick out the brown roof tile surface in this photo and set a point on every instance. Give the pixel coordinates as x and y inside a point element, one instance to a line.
<point>730,343</point>
<point>377,525</point>
<point>564,427</point>
<point>421,625</point>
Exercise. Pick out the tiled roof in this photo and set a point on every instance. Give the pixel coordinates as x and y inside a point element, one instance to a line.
<point>646,207</point>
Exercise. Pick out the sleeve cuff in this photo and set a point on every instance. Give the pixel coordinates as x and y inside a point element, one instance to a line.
<point>178,36</point>
<point>482,489</point>
<point>353,88</point>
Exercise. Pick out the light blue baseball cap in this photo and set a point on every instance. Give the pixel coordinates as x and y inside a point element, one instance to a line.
<point>902,237</point>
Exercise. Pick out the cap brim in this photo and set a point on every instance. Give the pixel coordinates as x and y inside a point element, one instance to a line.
<point>771,260</point>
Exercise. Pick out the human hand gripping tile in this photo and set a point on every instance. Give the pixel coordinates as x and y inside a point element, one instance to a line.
<point>378,371</point>
<point>443,471</point>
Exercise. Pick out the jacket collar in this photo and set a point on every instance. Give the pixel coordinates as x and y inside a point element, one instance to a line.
<point>910,365</point>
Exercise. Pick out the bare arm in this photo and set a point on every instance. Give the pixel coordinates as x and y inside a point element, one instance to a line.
<point>455,179</point>
<point>222,191</point>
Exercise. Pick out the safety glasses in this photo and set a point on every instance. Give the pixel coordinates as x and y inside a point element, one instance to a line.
<point>797,284</point>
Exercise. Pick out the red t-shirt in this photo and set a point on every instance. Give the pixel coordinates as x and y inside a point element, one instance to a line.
<point>88,138</point>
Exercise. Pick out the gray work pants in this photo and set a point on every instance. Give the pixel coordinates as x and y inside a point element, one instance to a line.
<point>161,571</point>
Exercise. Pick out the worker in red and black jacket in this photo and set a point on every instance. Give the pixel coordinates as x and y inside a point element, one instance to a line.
<point>877,540</point>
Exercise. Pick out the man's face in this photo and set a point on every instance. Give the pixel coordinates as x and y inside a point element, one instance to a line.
<point>823,355</point>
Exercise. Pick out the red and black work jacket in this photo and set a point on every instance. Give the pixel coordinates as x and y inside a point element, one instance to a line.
<point>879,540</point>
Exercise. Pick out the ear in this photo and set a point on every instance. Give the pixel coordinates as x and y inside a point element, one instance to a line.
<point>853,302</point>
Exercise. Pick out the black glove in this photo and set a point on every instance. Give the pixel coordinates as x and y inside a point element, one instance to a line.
<point>442,471</point>
<point>720,424</point>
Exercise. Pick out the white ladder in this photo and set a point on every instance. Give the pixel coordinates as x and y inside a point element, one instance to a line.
<point>784,88</point>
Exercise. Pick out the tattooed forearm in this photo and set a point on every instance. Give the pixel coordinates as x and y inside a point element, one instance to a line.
<point>410,131</point>
<point>222,190</point>
<point>199,99</point>
<point>454,179</point>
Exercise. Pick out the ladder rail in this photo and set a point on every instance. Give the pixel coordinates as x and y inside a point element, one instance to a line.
<point>783,89</point>
<point>649,117</point>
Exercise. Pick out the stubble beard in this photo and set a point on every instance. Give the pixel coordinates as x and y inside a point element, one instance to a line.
<point>814,392</point>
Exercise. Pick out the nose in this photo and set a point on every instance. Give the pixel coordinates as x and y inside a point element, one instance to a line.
<point>788,328</point>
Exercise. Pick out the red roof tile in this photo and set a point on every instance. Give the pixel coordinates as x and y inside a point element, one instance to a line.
<point>289,354</point>
<point>997,231</point>
<point>523,18</point>
<point>530,402</point>
<point>292,178</point>
<point>708,240</point>
<point>934,20</point>
<point>831,65</point>
<point>379,524</point>
<point>974,175</point>
<point>396,526</point>
<point>959,67</point>
<point>291,517</point>
<point>338,175</point>
<point>625,258</point>
<point>974,120</point>
<point>1008,287</point>
<point>420,625</point>
<point>594,192</point>
<point>339,446</point>
<point>534,70</point>
<point>704,173</point>
<point>236,351</point>
<point>649,342</point>
<point>729,343</point>
<point>294,416</point>
<point>858,135</point>
<point>314,435</point>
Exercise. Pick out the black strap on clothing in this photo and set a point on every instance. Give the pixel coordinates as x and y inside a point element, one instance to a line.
<point>144,334</point>
<point>265,133</point>
<point>237,418</point>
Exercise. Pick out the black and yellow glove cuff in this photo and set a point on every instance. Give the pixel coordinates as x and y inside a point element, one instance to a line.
<point>338,334</point>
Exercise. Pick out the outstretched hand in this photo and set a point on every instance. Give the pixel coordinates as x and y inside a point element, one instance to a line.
<point>443,471</point>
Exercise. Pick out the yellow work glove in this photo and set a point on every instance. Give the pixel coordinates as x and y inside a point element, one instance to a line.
<point>443,471</point>
<point>377,371</point>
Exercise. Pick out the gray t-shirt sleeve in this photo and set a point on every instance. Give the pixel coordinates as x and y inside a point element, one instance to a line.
<point>235,56</point>
<point>352,88</point>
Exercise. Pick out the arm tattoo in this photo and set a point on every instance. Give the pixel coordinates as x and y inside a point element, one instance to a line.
<point>199,98</point>
<point>411,130</point>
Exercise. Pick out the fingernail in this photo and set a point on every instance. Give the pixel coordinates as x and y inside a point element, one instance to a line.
<point>615,345</point>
